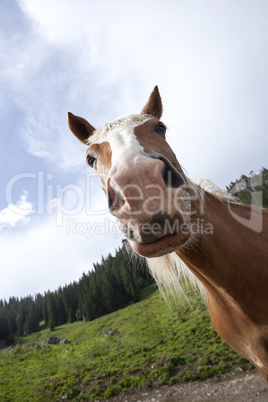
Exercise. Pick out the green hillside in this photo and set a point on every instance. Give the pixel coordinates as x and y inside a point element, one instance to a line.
<point>108,286</point>
<point>153,344</point>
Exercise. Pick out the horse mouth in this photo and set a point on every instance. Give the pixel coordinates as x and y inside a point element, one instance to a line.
<point>161,235</point>
<point>161,246</point>
<point>152,229</point>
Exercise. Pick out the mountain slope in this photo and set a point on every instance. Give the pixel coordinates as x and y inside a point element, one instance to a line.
<point>153,344</point>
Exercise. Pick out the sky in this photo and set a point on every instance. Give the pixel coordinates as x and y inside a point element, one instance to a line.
<point>101,60</point>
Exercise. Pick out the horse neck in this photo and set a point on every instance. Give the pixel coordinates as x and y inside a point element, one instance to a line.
<point>230,259</point>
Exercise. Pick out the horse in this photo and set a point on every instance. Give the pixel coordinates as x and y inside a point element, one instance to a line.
<point>176,224</point>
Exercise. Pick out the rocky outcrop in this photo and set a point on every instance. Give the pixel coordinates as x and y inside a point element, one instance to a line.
<point>110,332</point>
<point>56,340</point>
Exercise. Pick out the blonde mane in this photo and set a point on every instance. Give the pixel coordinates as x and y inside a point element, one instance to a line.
<point>210,187</point>
<point>173,276</point>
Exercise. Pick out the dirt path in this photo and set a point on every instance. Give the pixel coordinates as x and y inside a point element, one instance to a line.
<point>238,386</point>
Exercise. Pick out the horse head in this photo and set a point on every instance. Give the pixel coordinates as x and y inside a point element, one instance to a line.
<point>144,184</point>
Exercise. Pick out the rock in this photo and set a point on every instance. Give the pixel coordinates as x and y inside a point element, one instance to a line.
<point>110,332</point>
<point>37,348</point>
<point>52,340</point>
<point>113,332</point>
<point>56,340</point>
<point>64,342</point>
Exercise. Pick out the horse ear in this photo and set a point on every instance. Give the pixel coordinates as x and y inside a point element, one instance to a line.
<point>80,127</point>
<point>154,105</point>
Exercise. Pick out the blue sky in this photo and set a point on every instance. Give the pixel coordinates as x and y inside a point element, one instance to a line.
<point>100,60</point>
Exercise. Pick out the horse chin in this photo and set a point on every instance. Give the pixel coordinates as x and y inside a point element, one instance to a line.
<point>160,247</point>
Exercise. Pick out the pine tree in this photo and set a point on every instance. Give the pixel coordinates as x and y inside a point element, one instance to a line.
<point>5,329</point>
<point>20,322</point>
<point>32,320</point>
<point>62,313</point>
<point>45,308</point>
<point>52,311</point>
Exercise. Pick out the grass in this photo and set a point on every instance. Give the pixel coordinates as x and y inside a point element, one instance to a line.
<point>155,344</point>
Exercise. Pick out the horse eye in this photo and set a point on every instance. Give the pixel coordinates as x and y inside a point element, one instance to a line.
<point>160,129</point>
<point>91,161</point>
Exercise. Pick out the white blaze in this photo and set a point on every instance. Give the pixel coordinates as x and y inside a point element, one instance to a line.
<point>124,145</point>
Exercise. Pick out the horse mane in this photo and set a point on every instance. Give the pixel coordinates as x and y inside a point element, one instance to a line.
<point>210,187</point>
<point>173,277</point>
<point>171,274</point>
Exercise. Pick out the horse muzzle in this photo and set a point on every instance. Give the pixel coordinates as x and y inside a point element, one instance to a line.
<point>150,203</point>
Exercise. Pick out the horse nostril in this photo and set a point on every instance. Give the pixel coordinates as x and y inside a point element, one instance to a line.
<point>110,201</point>
<point>160,217</point>
<point>115,200</point>
<point>170,175</point>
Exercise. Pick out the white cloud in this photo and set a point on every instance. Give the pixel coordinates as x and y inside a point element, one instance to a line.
<point>208,60</point>
<point>18,213</point>
<point>61,240</point>
<point>54,249</point>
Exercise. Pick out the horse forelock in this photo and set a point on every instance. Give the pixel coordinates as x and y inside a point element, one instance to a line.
<point>123,121</point>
